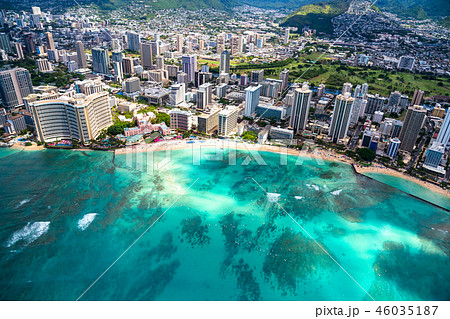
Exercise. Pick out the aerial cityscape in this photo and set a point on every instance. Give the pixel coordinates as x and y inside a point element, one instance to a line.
<point>225,150</point>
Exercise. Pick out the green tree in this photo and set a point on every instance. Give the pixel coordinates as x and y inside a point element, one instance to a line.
<point>366,154</point>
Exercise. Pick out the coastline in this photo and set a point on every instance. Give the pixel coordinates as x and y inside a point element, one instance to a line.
<point>316,154</point>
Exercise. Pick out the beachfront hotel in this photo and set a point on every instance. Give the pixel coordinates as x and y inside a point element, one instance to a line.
<point>81,118</point>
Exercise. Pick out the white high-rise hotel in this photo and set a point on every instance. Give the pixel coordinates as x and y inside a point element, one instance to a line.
<point>251,99</point>
<point>81,118</point>
<point>300,108</point>
<point>340,120</point>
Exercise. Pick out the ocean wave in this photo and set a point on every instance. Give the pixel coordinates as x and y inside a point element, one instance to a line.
<point>315,187</point>
<point>87,219</point>
<point>273,197</point>
<point>29,233</point>
<point>298,197</point>
<point>23,202</point>
<point>337,192</point>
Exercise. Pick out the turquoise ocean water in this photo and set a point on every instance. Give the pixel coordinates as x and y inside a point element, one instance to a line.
<point>412,188</point>
<point>68,215</point>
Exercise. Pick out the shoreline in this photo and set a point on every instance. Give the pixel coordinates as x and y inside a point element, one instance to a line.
<point>316,154</point>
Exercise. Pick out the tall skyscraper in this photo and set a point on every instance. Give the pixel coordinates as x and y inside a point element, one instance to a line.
<point>340,120</point>
<point>118,71</point>
<point>81,55</point>
<point>224,62</point>
<point>444,133</point>
<point>146,55</point>
<point>286,36</point>
<point>180,43</point>
<point>251,99</point>
<point>189,64</point>
<point>434,155</point>
<point>133,40</point>
<point>15,85</point>
<point>300,108</point>
<point>321,90</point>
<point>414,120</point>
<point>236,44</point>
<point>49,40</point>
<point>100,60</point>
<point>417,97</point>
<point>29,43</point>
<point>220,43</point>
<point>284,76</point>
<point>374,103</point>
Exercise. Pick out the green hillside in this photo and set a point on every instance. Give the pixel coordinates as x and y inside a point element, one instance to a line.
<point>317,16</point>
<point>419,9</point>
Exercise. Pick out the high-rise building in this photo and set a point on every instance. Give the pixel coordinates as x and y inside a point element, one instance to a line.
<point>406,62</point>
<point>417,97</point>
<point>251,99</point>
<point>155,48</point>
<point>220,43</point>
<point>172,70</point>
<point>128,65</point>
<point>49,40</point>
<point>321,90</point>
<point>44,65</point>
<point>118,71</point>
<point>15,85</point>
<point>100,60</point>
<point>377,117</point>
<point>132,85</point>
<point>201,44</point>
<point>117,56</point>
<point>177,94</point>
<point>300,108</point>
<point>414,120</point>
<point>236,44</point>
<point>284,77</point>
<point>81,118</point>
<point>81,55</point>
<point>340,120</point>
<point>438,111</point>
<point>228,120</point>
<point>434,155</point>
<point>257,76</point>
<point>444,133</point>
<point>180,120</point>
<point>271,88</point>
<point>115,45</point>
<point>221,90</point>
<point>347,88</point>
<point>29,43</point>
<point>19,51</point>
<point>160,63</point>
<point>204,96</point>
<point>209,122</point>
<point>52,55</point>
<point>243,80</point>
<point>5,43</point>
<point>374,103</point>
<point>394,144</point>
<point>224,66</point>
<point>133,40</point>
<point>180,43</point>
<point>286,36</point>
<point>182,78</point>
<point>189,65</point>
<point>146,55</point>
<point>398,125</point>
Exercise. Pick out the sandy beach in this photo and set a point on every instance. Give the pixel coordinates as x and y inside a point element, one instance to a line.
<point>33,147</point>
<point>318,154</point>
